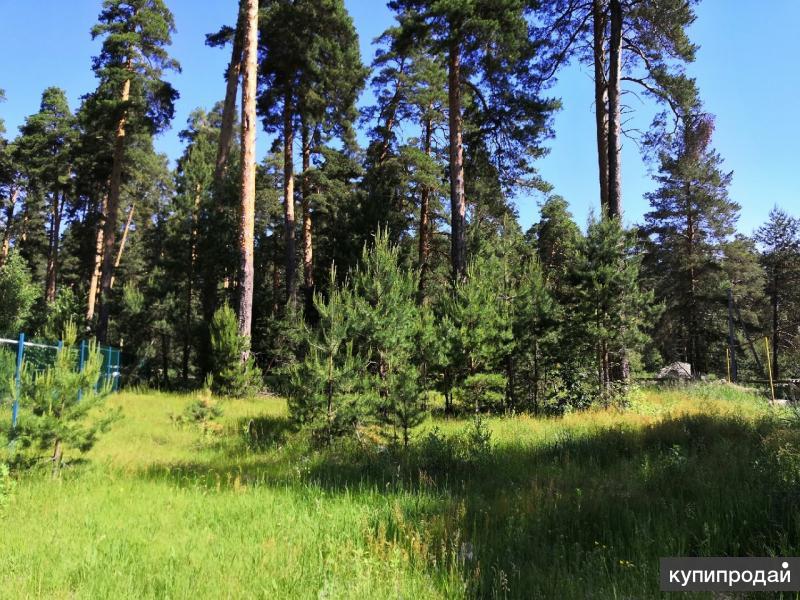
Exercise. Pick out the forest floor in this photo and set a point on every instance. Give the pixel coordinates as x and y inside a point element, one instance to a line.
<point>574,507</point>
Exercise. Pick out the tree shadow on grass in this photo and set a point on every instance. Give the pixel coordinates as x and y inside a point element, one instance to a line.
<point>265,432</point>
<point>578,515</point>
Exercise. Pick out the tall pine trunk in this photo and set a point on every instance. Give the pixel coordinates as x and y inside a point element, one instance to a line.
<point>98,259</point>
<point>6,246</point>
<point>391,117</point>
<point>110,226</point>
<point>458,207</point>
<point>614,112</point>
<point>248,175</point>
<point>600,99</point>
<point>209,272</point>
<point>56,209</point>
<point>123,241</point>
<point>424,218</point>
<point>308,244</point>
<point>691,303</point>
<point>229,104</point>
<point>775,327</point>
<point>288,196</point>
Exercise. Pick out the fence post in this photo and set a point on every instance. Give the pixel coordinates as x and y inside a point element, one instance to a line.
<point>18,378</point>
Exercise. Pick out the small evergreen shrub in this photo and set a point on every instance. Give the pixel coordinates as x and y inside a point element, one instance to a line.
<point>476,441</point>
<point>230,375</point>
<point>61,407</point>
<point>198,412</point>
<point>437,453</point>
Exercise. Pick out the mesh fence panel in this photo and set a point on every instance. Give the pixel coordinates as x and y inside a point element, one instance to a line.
<point>38,355</point>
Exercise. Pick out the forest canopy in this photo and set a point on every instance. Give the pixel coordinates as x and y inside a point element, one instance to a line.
<point>374,262</point>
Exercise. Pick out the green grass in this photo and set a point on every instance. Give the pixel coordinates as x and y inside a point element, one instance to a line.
<point>575,507</point>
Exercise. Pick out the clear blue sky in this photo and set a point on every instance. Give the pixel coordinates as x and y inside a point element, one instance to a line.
<point>745,68</point>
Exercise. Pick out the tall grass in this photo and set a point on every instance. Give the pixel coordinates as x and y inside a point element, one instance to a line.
<point>575,507</point>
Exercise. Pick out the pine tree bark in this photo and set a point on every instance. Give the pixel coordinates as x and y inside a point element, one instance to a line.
<point>123,241</point>
<point>614,111</point>
<point>308,244</point>
<point>458,208</point>
<point>231,89</point>
<point>601,98</point>
<point>691,302</point>
<point>98,260</point>
<point>56,210</point>
<point>424,218</point>
<point>248,175</point>
<point>775,327</point>
<point>276,288</point>
<point>209,274</point>
<point>110,226</point>
<point>288,197</point>
<point>391,117</point>
<point>6,246</point>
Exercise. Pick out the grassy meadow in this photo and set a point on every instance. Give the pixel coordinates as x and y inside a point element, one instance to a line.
<point>575,507</point>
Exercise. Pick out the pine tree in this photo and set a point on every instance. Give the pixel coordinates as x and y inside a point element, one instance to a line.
<point>632,45</point>
<point>610,309</point>
<point>385,325</point>
<point>324,386</point>
<point>690,221</point>
<point>194,197</point>
<point>313,75</point>
<point>135,97</point>
<point>230,375</point>
<point>744,277</point>
<point>247,189</point>
<point>62,406</point>
<point>404,177</point>
<point>9,189</point>
<point>536,334</point>
<point>555,238</point>
<point>482,333</point>
<point>44,152</point>
<point>779,239</point>
<point>214,219</point>
<point>489,57</point>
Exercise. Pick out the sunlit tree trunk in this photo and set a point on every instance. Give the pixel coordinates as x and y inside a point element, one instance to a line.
<point>601,99</point>
<point>123,241</point>
<point>288,196</point>
<point>98,260</point>
<point>458,207</point>
<point>210,275</point>
<point>308,244</point>
<point>614,112</point>
<point>110,226</point>
<point>6,246</point>
<point>229,104</point>
<point>424,218</point>
<point>248,175</point>
<point>56,209</point>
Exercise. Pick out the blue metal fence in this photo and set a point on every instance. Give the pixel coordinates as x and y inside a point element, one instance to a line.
<point>39,356</point>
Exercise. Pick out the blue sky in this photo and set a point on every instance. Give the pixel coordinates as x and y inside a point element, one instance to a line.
<point>745,69</point>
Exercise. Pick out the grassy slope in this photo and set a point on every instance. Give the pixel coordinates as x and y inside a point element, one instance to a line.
<point>576,507</point>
